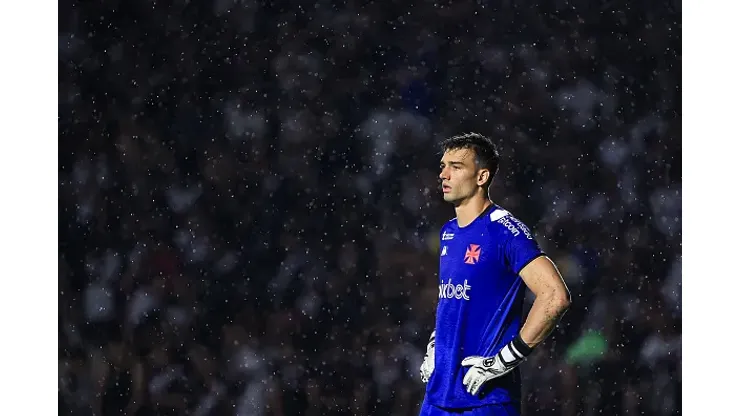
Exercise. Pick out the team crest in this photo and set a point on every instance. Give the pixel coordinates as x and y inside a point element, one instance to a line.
<point>472,254</point>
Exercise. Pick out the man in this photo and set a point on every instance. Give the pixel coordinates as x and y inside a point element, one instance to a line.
<point>487,256</point>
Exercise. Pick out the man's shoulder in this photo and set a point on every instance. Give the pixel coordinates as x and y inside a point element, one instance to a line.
<point>502,222</point>
<point>450,223</point>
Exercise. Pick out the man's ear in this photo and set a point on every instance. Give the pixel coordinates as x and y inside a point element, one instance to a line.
<point>483,176</point>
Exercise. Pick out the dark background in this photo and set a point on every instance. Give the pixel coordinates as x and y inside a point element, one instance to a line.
<point>249,204</point>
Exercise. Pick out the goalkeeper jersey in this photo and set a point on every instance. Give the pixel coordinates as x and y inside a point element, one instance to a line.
<point>480,304</point>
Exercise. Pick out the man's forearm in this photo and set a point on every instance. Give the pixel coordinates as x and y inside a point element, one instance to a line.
<point>547,310</point>
<point>543,317</point>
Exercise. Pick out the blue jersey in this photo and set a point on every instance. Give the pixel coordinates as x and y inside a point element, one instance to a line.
<point>480,304</point>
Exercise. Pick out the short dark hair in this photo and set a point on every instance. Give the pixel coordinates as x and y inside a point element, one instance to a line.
<point>486,152</point>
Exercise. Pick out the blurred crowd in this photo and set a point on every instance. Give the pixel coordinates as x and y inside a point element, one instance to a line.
<point>249,204</point>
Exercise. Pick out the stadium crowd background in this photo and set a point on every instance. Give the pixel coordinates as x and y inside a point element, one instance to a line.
<point>249,204</point>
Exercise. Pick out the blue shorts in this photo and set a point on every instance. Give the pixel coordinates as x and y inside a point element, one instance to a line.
<point>508,409</point>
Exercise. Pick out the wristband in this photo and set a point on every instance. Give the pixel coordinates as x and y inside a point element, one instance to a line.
<point>521,346</point>
<point>514,352</point>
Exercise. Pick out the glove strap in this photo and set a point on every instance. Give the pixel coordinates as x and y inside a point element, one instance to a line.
<point>514,352</point>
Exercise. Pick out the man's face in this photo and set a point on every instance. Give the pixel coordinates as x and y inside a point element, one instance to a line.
<point>460,176</point>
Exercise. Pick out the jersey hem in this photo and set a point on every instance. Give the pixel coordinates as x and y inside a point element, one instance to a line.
<point>468,406</point>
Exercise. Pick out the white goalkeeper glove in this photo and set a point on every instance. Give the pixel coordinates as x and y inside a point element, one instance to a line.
<point>483,369</point>
<point>427,367</point>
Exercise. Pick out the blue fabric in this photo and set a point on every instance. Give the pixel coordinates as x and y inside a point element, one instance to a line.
<point>480,304</point>
<point>505,409</point>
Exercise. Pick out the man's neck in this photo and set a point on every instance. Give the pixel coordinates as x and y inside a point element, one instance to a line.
<point>470,209</point>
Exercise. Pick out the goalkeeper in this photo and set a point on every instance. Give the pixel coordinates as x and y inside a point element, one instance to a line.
<point>487,258</point>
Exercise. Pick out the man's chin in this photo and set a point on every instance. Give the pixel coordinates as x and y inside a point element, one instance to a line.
<point>452,200</point>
